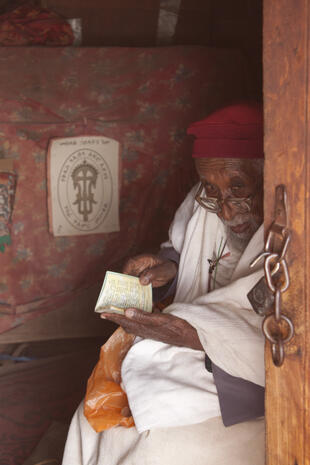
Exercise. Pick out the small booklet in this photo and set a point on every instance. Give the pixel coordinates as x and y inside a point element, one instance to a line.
<point>120,291</point>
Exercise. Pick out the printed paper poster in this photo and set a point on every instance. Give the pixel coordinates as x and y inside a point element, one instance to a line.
<point>83,175</point>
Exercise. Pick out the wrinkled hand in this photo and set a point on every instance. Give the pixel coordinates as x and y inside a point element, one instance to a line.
<point>158,326</point>
<point>151,269</point>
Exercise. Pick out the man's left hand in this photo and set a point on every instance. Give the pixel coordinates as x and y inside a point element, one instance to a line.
<point>158,326</point>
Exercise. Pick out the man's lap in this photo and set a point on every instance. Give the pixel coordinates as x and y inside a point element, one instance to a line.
<point>206,443</point>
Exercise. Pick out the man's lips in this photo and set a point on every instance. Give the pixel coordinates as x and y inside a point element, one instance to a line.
<point>240,228</point>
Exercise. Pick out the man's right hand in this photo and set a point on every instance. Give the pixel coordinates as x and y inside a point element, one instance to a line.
<point>151,269</point>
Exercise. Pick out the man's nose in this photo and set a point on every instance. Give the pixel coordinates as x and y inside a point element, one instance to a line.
<point>227,212</point>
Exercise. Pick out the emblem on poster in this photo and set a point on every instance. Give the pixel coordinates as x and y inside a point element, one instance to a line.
<point>83,185</point>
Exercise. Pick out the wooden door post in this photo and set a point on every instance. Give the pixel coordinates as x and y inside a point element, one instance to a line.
<point>287,138</point>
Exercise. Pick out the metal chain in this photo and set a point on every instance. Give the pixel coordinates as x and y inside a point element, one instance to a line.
<point>278,280</point>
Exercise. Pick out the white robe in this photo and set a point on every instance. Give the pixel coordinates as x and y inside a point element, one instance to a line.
<point>207,443</point>
<point>171,395</point>
<point>169,386</point>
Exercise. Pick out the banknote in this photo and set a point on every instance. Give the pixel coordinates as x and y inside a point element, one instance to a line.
<point>120,291</point>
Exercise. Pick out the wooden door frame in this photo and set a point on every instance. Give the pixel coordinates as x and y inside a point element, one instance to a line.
<point>287,151</point>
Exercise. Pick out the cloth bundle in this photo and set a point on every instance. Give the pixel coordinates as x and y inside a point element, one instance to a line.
<point>28,24</point>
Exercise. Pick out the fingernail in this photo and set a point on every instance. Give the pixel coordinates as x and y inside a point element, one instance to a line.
<point>130,313</point>
<point>103,317</point>
<point>145,280</point>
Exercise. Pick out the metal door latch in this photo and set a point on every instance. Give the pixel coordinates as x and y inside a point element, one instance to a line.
<point>277,328</point>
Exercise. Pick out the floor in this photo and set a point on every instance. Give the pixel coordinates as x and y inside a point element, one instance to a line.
<point>42,392</point>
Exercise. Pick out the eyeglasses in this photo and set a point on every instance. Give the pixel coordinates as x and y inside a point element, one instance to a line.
<point>215,205</point>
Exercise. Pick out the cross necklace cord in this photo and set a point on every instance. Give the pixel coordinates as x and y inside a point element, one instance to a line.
<point>214,263</point>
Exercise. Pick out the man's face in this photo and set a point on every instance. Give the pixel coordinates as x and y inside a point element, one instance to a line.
<point>226,179</point>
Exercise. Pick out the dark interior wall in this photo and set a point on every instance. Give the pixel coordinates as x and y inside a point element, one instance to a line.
<point>120,22</point>
<point>225,23</point>
<point>219,23</point>
<point>222,23</point>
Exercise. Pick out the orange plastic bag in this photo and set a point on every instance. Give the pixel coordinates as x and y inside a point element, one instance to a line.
<point>106,403</point>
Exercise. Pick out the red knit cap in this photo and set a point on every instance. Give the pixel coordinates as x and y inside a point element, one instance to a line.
<point>235,131</point>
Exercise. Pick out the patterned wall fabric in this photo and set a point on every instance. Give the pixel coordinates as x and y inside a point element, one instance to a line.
<point>145,99</point>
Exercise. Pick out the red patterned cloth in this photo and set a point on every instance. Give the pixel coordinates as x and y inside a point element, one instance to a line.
<point>143,98</point>
<point>28,24</point>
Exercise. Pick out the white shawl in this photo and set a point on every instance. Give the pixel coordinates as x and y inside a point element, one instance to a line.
<point>168,385</point>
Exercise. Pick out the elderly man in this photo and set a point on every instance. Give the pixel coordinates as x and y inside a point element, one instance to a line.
<point>194,377</point>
